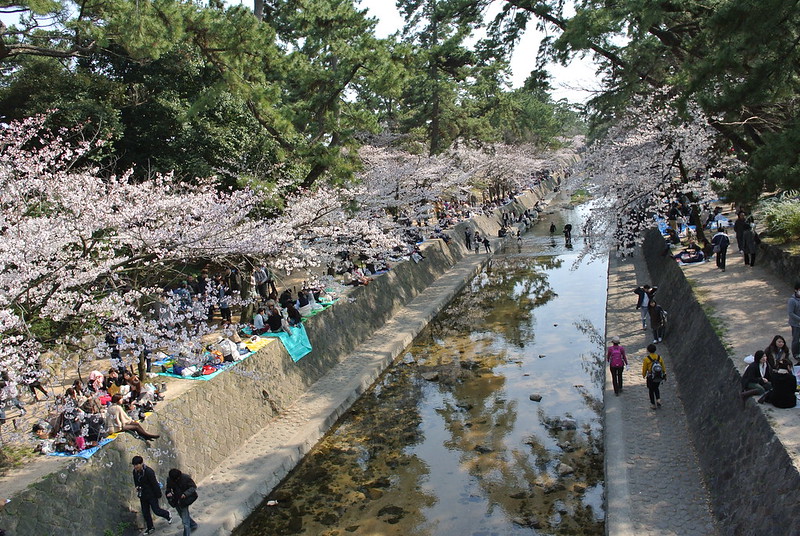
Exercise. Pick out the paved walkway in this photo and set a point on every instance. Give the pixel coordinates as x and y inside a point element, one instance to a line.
<point>654,485</point>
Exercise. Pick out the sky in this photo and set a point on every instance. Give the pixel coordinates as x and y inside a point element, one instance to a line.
<point>573,82</point>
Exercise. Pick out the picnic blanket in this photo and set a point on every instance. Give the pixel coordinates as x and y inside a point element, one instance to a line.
<point>85,453</point>
<point>205,377</point>
<point>297,344</point>
<point>662,226</point>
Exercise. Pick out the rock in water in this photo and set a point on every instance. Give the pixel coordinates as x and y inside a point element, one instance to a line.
<point>563,469</point>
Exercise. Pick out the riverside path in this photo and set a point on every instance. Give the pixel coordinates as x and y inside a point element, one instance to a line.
<point>654,484</point>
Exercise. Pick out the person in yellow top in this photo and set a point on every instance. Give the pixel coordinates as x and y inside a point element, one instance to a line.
<point>654,370</point>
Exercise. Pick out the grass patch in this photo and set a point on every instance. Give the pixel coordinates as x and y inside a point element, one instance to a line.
<point>717,324</point>
<point>12,456</point>
<point>581,195</point>
<point>119,530</point>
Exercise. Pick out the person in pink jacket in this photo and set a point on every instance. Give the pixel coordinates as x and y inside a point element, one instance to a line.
<point>617,361</point>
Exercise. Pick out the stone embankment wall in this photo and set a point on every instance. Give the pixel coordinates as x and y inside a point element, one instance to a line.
<point>779,262</point>
<point>748,470</point>
<point>208,420</point>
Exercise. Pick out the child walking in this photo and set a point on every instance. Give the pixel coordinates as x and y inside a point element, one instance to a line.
<point>654,370</point>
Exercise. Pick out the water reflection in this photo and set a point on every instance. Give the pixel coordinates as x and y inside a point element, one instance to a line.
<point>449,441</point>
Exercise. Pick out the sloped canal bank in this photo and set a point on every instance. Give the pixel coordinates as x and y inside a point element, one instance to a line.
<point>449,441</point>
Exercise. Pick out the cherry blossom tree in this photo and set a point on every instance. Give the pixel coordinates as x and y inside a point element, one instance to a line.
<point>409,184</point>
<point>87,261</point>
<point>649,158</point>
<point>82,253</point>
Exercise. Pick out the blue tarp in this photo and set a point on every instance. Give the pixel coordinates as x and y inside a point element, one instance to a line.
<point>86,453</point>
<point>206,377</point>
<point>662,226</point>
<point>297,344</point>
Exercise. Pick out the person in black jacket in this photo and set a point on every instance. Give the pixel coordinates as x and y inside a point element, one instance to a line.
<point>645,293</point>
<point>756,377</point>
<point>784,385</point>
<point>148,490</point>
<point>181,492</point>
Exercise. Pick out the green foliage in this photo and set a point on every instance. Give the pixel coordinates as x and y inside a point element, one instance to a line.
<point>782,216</point>
<point>119,530</point>
<point>738,60</point>
<point>212,90</point>
<point>12,455</point>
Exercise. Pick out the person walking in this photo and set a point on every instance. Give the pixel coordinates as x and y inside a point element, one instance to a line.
<point>645,294</point>
<point>655,372</point>
<point>149,492</point>
<point>468,239</point>
<point>658,320</point>
<point>739,227</point>
<point>749,244</point>
<point>181,493</point>
<point>720,243</point>
<point>794,321</point>
<point>617,361</point>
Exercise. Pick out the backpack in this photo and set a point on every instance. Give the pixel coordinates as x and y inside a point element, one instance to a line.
<point>615,356</point>
<point>656,374</point>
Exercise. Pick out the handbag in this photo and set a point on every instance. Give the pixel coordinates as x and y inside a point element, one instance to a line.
<point>189,497</point>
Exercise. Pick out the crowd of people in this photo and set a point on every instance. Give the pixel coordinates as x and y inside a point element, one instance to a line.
<point>698,248</point>
<point>118,401</point>
<point>85,414</point>
<point>770,373</point>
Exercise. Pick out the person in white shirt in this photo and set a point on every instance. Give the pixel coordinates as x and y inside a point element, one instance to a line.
<point>259,326</point>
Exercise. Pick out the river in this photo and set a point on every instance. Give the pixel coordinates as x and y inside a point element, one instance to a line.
<point>449,440</point>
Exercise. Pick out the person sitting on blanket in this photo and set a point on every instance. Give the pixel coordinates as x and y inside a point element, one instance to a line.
<point>672,236</point>
<point>294,316</point>
<point>228,349</point>
<point>357,278</point>
<point>275,319</point>
<point>691,254</point>
<point>113,381</point>
<point>48,440</point>
<point>286,298</point>
<point>80,429</point>
<point>117,420</point>
<point>92,405</point>
<point>708,249</point>
<point>259,326</point>
<point>136,386</point>
<point>73,398</point>
<point>303,298</point>
<point>96,382</point>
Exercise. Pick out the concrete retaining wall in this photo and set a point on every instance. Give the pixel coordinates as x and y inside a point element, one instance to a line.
<point>749,473</point>
<point>203,424</point>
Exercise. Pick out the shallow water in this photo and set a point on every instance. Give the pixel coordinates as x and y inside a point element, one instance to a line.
<point>469,452</point>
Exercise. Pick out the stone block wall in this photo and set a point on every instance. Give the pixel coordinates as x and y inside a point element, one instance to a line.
<point>780,263</point>
<point>749,473</point>
<point>208,420</point>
